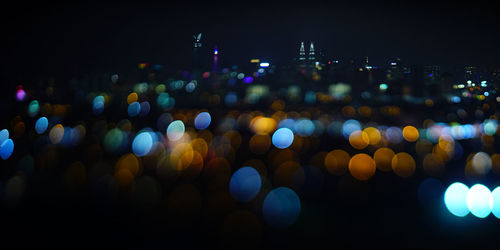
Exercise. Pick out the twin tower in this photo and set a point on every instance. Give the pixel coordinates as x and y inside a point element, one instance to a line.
<point>310,60</point>
<point>302,53</point>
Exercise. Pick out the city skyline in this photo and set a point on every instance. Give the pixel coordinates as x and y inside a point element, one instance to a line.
<point>110,36</point>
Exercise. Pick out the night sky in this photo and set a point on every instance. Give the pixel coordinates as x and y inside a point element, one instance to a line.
<point>75,38</point>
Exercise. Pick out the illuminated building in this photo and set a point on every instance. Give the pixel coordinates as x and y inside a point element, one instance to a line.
<point>312,56</point>
<point>311,61</point>
<point>196,51</point>
<point>478,75</point>
<point>395,71</point>
<point>302,52</point>
<point>471,73</point>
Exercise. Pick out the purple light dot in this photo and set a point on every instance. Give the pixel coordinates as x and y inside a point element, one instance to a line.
<point>248,79</point>
<point>20,94</point>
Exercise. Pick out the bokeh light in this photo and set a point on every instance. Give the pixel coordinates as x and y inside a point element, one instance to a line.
<point>231,99</point>
<point>248,79</point>
<point>142,144</point>
<point>282,138</point>
<point>202,120</point>
<point>350,126</point>
<point>455,199</point>
<point>337,161</point>
<point>245,184</point>
<point>98,105</point>
<point>490,126</point>
<point>478,200</point>
<point>175,130</point>
<point>495,202</point>
<point>20,94</point>
<point>145,108</point>
<point>41,125</point>
<point>165,101</point>
<point>362,167</point>
<point>410,133</point>
<point>481,163</point>
<point>281,207</point>
<point>6,148</point>
<point>33,108</point>
<point>403,164</point>
<point>56,134</point>
<point>132,97</point>
<point>383,158</point>
<point>115,140</point>
<point>373,134</point>
<point>4,135</point>
<point>263,125</point>
<point>394,135</point>
<point>134,109</point>
<point>304,127</point>
<point>359,139</point>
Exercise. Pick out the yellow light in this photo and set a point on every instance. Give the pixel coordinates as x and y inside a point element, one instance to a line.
<point>362,167</point>
<point>403,165</point>
<point>446,142</point>
<point>337,161</point>
<point>373,135</point>
<point>359,139</point>
<point>263,125</point>
<point>142,65</point>
<point>255,61</point>
<point>132,97</point>
<point>182,155</point>
<point>410,133</point>
<point>383,159</point>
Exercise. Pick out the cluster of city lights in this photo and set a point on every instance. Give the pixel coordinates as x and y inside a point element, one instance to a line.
<point>478,200</point>
<point>249,144</point>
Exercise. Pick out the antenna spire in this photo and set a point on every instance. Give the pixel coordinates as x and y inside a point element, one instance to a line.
<point>197,40</point>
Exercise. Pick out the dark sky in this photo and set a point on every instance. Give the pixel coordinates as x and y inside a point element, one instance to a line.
<point>49,38</point>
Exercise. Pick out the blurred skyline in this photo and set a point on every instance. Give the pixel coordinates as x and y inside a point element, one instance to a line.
<point>75,38</point>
